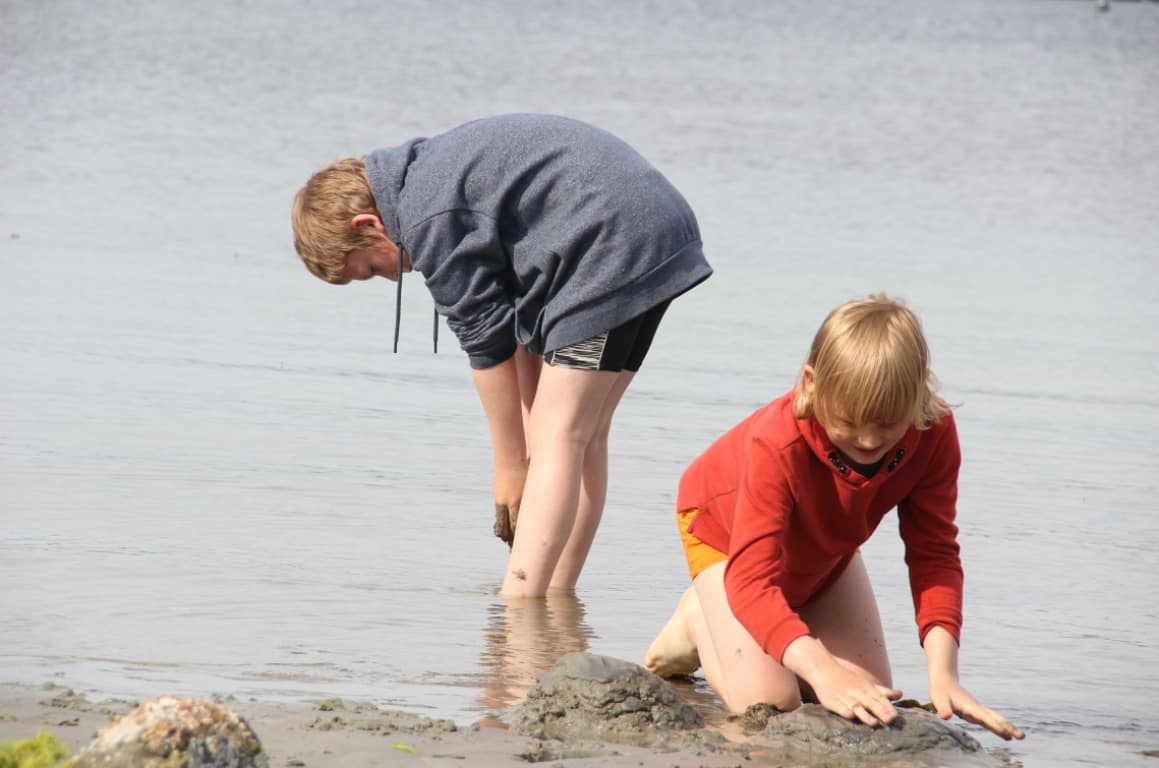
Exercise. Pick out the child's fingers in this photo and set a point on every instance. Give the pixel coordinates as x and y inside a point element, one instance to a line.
<point>1003,727</point>
<point>862,713</point>
<point>942,706</point>
<point>873,710</point>
<point>504,526</point>
<point>892,694</point>
<point>992,721</point>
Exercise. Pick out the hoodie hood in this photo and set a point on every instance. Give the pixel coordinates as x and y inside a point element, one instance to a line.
<point>387,169</point>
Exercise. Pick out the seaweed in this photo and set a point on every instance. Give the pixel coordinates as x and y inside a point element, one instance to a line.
<point>42,751</point>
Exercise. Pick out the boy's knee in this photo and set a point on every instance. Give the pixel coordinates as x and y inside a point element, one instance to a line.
<point>599,441</point>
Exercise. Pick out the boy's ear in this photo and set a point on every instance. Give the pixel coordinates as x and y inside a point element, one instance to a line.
<point>368,220</point>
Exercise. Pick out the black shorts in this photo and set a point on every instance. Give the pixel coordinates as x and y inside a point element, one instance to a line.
<point>621,349</point>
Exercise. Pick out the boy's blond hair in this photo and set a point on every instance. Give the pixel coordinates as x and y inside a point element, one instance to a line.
<point>871,365</point>
<point>322,213</point>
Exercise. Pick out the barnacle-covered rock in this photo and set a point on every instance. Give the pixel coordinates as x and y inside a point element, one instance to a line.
<point>175,733</point>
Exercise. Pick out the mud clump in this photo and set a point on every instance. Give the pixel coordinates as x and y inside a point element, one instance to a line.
<point>815,732</point>
<point>589,697</point>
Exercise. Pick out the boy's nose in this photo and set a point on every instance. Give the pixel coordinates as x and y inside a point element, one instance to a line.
<point>870,441</point>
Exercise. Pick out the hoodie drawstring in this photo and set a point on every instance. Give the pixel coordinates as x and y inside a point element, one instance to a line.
<point>398,296</point>
<point>398,306</point>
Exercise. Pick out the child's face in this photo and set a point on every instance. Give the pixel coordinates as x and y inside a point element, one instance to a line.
<point>378,260</point>
<point>862,443</point>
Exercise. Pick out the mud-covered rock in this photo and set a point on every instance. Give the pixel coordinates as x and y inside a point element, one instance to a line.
<point>175,733</point>
<point>915,737</point>
<point>589,697</point>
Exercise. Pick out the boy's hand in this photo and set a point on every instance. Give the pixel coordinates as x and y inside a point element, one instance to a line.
<point>505,519</point>
<point>949,698</point>
<point>508,487</point>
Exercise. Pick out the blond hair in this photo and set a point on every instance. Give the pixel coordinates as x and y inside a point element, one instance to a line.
<point>321,217</point>
<point>870,363</point>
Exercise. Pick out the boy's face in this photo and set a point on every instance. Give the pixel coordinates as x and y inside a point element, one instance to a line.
<point>378,260</point>
<point>382,259</point>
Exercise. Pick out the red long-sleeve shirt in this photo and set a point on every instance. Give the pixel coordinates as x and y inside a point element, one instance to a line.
<point>776,496</point>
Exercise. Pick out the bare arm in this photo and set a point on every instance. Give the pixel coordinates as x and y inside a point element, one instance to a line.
<point>949,697</point>
<point>498,388</point>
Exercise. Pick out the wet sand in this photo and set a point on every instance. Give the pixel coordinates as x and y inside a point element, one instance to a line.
<point>350,734</point>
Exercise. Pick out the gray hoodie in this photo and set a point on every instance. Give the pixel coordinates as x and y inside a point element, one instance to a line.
<point>535,229</point>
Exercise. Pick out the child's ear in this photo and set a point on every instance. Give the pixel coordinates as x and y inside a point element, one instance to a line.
<point>807,374</point>
<point>368,220</point>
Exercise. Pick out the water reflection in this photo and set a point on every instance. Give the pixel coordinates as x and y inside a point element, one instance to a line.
<point>523,637</point>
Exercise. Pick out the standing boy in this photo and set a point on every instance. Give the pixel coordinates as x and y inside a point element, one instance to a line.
<point>540,239</point>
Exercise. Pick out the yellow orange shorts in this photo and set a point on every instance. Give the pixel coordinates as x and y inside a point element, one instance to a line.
<point>698,554</point>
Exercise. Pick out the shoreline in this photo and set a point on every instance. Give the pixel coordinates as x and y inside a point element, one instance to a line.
<point>348,733</point>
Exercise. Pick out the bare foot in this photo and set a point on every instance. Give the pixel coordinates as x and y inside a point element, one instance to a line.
<point>673,652</point>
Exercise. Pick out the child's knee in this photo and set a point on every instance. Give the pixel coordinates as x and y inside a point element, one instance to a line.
<point>598,445</point>
<point>769,684</point>
<point>784,699</point>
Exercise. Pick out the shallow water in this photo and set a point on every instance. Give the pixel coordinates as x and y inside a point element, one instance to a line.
<point>214,476</point>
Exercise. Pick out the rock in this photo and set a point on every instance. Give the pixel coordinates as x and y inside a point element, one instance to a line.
<point>175,733</point>
<point>589,697</point>
<point>815,732</point>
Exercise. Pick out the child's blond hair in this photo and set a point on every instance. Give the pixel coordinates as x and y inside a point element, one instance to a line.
<point>870,364</point>
<point>322,213</point>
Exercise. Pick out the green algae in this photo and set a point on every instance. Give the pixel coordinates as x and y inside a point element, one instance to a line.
<point>42,751</point>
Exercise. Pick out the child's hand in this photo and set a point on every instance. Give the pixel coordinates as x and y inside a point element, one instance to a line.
<point>505,520</point>
<point>508,485</point>
<point>854,696</point>
<point>949,698</point>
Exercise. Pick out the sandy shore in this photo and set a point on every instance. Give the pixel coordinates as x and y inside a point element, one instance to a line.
<point>350,734</point>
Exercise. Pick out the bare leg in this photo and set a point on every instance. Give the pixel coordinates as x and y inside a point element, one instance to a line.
<point>565,417</point>
<point>846,621</point>
<point>527,367</point>
<point>593,492</point>
<point>844,618</point>
<point>738,669</point>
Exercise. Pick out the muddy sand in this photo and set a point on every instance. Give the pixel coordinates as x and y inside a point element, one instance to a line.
<point>586,710</point>
<point>334,733</point>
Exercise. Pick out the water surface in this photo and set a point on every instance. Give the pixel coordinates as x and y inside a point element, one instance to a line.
<point>214,476</point>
